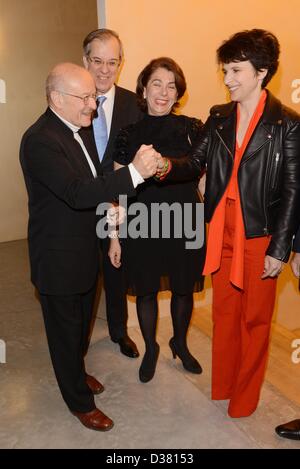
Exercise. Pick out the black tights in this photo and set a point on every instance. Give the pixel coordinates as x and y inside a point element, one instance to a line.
<point>181,311</point>
<point>147,309</point>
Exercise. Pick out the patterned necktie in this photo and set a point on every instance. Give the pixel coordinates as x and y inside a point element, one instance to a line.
<point>100,128</point>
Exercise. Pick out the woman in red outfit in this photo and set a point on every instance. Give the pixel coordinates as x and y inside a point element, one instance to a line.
<point>251,149</point>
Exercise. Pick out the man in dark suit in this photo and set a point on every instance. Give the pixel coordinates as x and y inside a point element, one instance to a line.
<point>291,430</point>
<point>103,55</point>
<point>65,183</point>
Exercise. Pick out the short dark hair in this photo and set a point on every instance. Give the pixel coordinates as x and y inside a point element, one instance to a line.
<point>144,77</point>
<point>102,34</point>
<point>258,46</point>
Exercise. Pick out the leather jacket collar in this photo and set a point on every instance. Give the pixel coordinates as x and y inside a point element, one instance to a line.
<point>271,115</point>
<point>224,119</point>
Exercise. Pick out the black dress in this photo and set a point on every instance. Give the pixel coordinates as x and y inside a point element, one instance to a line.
<point>159,260</point>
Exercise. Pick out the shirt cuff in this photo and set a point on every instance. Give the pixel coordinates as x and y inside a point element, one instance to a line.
<point>135,175</point>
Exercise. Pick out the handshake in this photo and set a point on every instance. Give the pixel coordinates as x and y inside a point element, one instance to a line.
<point>148,161</point>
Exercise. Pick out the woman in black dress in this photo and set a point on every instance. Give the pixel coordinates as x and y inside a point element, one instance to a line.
<point>161,257</point>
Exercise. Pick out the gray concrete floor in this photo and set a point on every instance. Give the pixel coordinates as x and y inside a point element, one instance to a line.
<point>174,410</point>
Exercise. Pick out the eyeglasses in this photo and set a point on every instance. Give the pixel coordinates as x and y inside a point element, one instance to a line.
<point>85,99</point>
<point>111,64</point>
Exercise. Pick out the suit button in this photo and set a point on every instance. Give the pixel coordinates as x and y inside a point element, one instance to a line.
<point>220,127</point>
<point>269,136</point>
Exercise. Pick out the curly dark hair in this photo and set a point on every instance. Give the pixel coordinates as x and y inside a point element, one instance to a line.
<point>145,75</point>
<point>258,46</point>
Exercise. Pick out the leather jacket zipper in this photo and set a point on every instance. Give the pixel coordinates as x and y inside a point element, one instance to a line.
<point>266,185</point>
<point>275,172</point>
<point>224,144</point>
<point>221,195</point>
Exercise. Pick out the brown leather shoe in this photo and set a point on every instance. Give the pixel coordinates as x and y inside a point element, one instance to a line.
<point>95,386</point>
<point>95,420</point>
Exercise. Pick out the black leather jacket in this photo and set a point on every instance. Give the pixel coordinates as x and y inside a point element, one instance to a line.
<point>268,176</point>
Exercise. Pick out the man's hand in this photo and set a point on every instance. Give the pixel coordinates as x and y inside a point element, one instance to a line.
<point>272,267</point>
<point>295,264</point>
<point>145,161</point>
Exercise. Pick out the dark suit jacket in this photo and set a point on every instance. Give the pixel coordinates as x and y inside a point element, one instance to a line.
<point>63,195</point>
<point>125,112</point>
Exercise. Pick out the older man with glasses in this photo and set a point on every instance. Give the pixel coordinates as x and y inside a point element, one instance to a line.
<point>116,108</point>
<point>65,183</point>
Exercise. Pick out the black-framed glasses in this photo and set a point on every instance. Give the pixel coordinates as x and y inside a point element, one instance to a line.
<point>85,99</point>
<point>112,64</point>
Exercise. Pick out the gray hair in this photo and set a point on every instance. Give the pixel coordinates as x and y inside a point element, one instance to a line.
<point>101,34</point>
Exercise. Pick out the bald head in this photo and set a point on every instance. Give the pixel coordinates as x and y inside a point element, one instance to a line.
<point>70,91</point>
<point>66,75</point>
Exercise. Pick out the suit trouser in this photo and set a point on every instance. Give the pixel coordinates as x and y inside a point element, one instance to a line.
<point>242,320</point>
<point>115,294</point>
<point>67,321</point>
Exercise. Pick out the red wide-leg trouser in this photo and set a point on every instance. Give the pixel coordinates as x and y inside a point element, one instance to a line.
<point>242,320</point>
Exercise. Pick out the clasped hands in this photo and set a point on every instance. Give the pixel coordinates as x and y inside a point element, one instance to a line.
<point>147,161</point>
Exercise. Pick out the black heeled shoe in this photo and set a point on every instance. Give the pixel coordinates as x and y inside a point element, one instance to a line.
<point>148,365</point>
<point>189,362</point>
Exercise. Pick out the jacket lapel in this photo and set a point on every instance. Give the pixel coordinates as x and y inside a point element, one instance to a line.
<point>73,150</point>
<point>260,137</point>
<point>225,122</point>
<point>116,122</point>
<point>87,136</point>
<point>264,131</point>
<point>77,156</point>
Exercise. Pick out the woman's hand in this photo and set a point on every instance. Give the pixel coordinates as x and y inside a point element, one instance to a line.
<point>116,215</point>
<point>295,264</point>
<point>160,161</point>
<point>164,166</point>
<point>114,252</point>
<point>272,268</point>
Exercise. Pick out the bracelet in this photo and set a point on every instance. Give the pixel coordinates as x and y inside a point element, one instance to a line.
<point>114,234</point>
<point>167,172</point>
<point>166,169</point>
<point>160,175</point>
<point>162,171</point>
